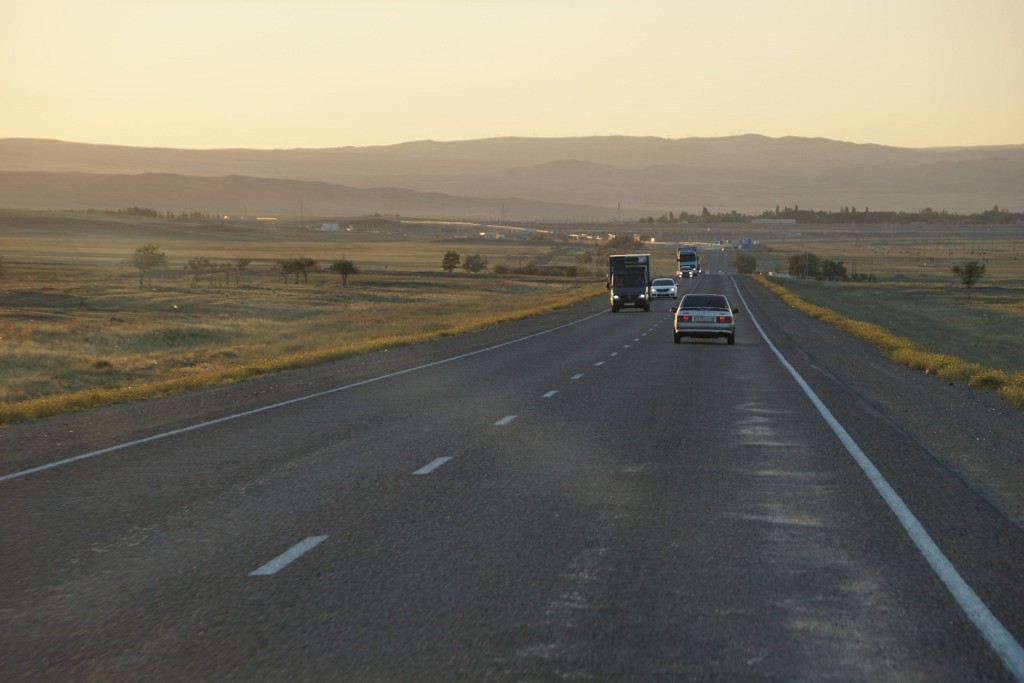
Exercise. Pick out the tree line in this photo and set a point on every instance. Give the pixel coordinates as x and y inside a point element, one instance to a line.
<point>164,215</point>
<point>149,258</point>
<point>845,214</point>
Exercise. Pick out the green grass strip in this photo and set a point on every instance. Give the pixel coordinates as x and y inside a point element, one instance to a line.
<point>907,352</point>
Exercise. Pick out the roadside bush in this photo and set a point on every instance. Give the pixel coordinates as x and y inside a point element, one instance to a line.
<point>745,263</point>
<point>833,270</point>
<point>804,265</point>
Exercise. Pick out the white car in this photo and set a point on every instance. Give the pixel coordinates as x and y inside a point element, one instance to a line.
<point>664,288</point>
<point>705,315</point>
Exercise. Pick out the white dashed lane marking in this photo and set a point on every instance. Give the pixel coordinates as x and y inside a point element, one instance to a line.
<point>289,556</point>
<point>427,469</point>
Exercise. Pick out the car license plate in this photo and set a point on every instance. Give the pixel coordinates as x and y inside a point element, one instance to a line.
<point>704,319</point>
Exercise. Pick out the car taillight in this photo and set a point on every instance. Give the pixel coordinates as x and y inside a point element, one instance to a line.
<point>684,318</point>
<point>724,319</point>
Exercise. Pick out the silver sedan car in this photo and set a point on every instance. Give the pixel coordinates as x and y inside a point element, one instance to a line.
<point>705,315</point>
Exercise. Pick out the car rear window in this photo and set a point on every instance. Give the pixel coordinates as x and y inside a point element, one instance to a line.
<point>704,301</point>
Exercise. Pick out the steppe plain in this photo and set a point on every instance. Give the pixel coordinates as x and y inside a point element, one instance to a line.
<point>77,329</point>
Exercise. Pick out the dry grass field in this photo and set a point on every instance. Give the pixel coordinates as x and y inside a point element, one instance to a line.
<point>77,330</point>
<point>912,253</point>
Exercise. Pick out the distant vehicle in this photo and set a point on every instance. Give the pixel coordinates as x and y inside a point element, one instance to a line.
<point>664,288</point>
<point>704,315</point>
<point>689,262</point>
<point>629,281</point>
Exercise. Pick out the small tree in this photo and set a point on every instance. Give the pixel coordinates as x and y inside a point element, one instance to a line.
<point>286,268</point>
<point>240,265</point>
<point>804,265</point>
<point>296,266</point>
<point>450,261</point>
<point>148,258</point>
<point>344,268</point>
<point>301,265</point>
<point>969,274</point>
<point>745,263</point>
<point>474,263</point>
<point>197,265</point>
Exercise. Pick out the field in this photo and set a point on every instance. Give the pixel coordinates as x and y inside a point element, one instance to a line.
<point>77,330</point>
<point>916,294</point>
<point>913,307</point>
<point>913,253</point>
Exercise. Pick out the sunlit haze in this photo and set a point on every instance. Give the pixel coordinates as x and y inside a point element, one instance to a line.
<point>329,73</point>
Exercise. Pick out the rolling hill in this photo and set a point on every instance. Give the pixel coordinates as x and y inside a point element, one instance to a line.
<point>586,178</point>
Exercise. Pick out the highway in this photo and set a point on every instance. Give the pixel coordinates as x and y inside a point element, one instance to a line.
<point>570,497</point>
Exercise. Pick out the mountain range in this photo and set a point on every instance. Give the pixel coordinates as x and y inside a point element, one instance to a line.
<point>581,179</point>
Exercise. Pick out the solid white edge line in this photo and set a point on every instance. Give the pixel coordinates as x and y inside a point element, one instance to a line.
<point>427,469</point>
<point>256,411</point>
<point>289,556</point>
<point>992,630</point>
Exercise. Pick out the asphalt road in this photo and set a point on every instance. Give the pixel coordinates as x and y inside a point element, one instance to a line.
<point>571,497</point>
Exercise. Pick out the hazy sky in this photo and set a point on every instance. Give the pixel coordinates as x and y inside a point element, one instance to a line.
<point>330,73</point>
